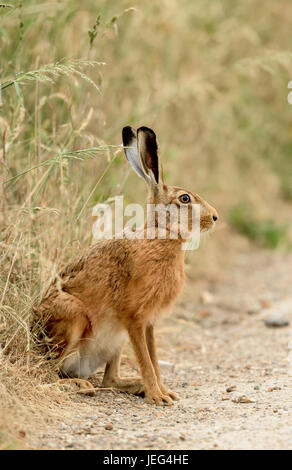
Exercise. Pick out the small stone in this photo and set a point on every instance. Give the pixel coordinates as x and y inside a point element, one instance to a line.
<point>265,303</point>
<point>256,387</point>
<point>271,389</point>
<point>87,430</point>
<point>252,310</point>
<point>275,410</point>
<point>225,397</point>
<point>203,314</point>
<point>276,319</point>
<point>206,297</point>
<point>231,388</point>
<point>108,427</point>
<point>242,399</point>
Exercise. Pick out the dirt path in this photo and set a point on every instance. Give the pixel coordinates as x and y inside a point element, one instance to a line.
<point>207,347</point>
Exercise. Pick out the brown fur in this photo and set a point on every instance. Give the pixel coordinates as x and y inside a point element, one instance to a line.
<point>121,286</point>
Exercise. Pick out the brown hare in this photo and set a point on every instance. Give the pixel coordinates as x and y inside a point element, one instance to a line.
<point>119,287</point>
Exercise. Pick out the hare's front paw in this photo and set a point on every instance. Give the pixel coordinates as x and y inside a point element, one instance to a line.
<point>169,393</point>
<point>156,397</point>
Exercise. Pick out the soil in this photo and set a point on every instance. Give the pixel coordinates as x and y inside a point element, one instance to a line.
<point>230,370</point>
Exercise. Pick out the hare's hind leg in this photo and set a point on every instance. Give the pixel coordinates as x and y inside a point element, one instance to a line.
<point>80,359</point>
<point>112,377</point>
<point>66,325</point>
<point>74,366</point>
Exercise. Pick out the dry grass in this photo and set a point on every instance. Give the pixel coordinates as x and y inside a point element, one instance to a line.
<point>210,77</point>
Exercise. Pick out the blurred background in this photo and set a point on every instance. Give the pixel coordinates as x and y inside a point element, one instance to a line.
<point>210,77</point>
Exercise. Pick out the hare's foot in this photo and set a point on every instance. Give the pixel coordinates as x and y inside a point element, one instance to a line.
<point>169,393</point>
<point>82,386</point>
<point>132,385</point>
<point>128,385</point>
<point>157,397</point>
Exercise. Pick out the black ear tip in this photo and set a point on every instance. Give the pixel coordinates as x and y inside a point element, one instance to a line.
<point>146,130</point>
<point>128,134</point>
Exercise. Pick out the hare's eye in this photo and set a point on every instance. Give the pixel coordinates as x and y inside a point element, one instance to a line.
<point>184,198</point>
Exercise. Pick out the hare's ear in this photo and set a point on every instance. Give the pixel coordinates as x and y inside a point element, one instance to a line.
<point>149,154</point>
<point>131,150</point>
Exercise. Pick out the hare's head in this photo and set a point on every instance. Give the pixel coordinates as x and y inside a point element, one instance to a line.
<point>141,149</point>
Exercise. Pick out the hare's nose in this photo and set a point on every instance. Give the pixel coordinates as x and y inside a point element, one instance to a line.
<point>215,217</point>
